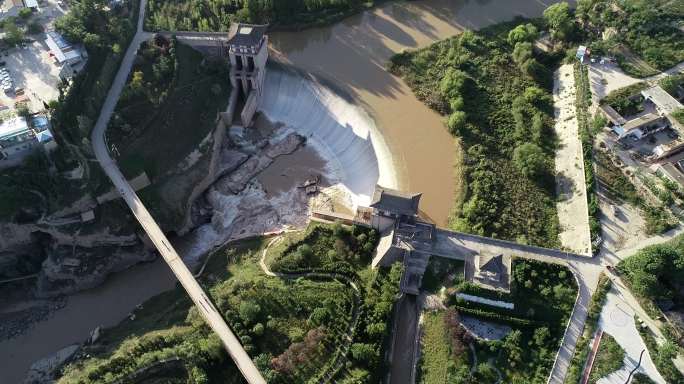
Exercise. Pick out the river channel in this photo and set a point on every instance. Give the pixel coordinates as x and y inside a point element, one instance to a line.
<point>350,56</point>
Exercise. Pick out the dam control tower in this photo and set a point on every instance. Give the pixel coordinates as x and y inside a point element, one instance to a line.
<point>248,52</point>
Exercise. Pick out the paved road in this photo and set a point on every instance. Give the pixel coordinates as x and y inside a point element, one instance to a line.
<point>202,302</point>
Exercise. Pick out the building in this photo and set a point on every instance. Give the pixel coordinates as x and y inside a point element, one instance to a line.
<point>70,57</point>
<point>248,52</point>
<point>663,101</point>
<point>16,139</point>
<point>583,53</point>
<point>390,205</point>
<point>33,4</point>
<point>642,126</point>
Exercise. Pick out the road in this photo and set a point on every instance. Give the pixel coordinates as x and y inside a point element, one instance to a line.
<point>205,306</point>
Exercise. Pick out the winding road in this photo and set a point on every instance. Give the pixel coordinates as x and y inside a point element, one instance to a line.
<point>205,306</point>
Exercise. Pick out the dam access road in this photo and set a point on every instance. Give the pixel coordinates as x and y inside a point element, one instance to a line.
<point>206,308</point>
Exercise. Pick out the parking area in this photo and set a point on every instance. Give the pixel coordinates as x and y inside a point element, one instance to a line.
<point>31,69</point>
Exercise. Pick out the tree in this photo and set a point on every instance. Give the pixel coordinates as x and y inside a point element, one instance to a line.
<point>23,110</point>
<point>364,353</point>
<point>25,13</point>
<point>13,35</point>
<point>541,336</point>
<point>511,345</point>
<point>522,52</point>
<point>559,20</point>
<point>452,83</point>
<point>249,312</point>
<point>529,159</point>
<point>457,122</point>
<point>523,33</point>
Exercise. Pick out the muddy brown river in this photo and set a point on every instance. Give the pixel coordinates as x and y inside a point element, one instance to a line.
<point>351,56</point>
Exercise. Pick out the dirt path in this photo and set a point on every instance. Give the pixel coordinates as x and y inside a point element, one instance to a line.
<point>570,183</point>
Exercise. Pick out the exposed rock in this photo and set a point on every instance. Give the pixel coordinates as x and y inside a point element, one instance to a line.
<point>41,372</point>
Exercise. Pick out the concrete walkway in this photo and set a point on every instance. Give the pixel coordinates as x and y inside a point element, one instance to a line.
<point>571,187</point>
<point>617,319</point>
<point>205,306</point>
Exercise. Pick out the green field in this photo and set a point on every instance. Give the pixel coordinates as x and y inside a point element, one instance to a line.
<point>609,358</point>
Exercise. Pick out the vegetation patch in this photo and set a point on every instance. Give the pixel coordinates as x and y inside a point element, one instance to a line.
<point>608,358</point>
<point>168,110</point>
<point>626,101</point>
<point>217,15</point>
<point>493,89</point>
<point>296,329</point>
<point>543,295</point>
<point>640,378</point>
<point>643,35</point>
<point>656,272</point>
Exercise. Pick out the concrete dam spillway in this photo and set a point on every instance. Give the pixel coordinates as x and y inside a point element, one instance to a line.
<point>342,132</point>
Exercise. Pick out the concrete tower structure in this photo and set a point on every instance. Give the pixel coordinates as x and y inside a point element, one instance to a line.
<point>248,52</point>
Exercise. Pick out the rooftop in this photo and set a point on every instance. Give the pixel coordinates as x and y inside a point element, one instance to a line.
<point>672,173</point>
<point>13,127</point>
<point>491,264</point>
<point>61,48</point>
<point>404,203</point>
<point>642,120</point>
<point>244,36</point>
<point>663,100</point>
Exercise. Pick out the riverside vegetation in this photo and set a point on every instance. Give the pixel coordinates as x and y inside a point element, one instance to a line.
<point>217,15</point>
<point>494,90</point>
<point>543,295</point>
<point>296,327</point>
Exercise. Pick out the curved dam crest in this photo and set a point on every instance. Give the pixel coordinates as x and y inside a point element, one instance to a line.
<point>344,134</point>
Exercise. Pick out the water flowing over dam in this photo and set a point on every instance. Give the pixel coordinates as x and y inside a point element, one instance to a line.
<point>344,133</point>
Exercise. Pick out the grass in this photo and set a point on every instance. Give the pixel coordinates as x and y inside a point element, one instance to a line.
<point>608,358</point>
<point>640,378</point>
<point>436,356</point>
<point>612,180</point>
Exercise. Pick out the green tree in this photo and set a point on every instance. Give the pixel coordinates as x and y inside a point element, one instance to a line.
<point>457,122</point>
<point>249,312</point>
<point>13,35</point>
<point>25,13</point>
<point>523,33</point>
<point>529,159</point>
<point>522,52</point>
<point>452,83</point>
<point>559,20</point>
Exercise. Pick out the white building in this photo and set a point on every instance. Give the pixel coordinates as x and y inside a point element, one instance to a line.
<point>16,139</point>
<point>71,58</point>
<point>664,102</point>
<point>248,51</point>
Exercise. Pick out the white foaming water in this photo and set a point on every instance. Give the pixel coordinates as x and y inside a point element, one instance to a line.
<point>343,133</point>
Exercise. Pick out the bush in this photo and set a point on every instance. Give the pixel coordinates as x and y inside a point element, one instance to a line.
<point>529,159</point>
